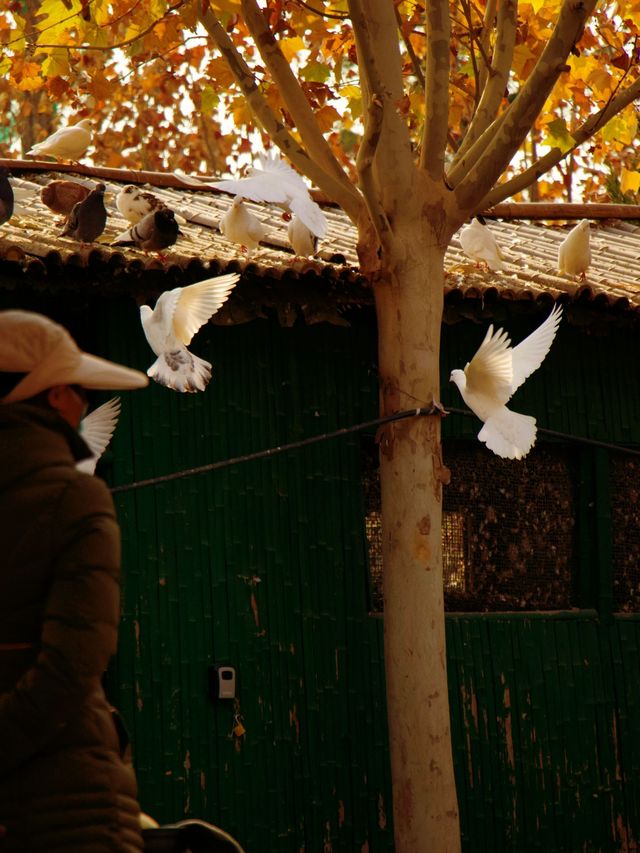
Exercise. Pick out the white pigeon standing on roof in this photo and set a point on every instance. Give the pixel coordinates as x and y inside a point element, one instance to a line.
<point>241,226</point>
<point>171,325</point>
<point>303,241</point>
<point>67,143</point>
<point>491,377</point>
<point>478,243</point>
<point>574,253</point>
<point>96,429</point>
<point>275,182</point>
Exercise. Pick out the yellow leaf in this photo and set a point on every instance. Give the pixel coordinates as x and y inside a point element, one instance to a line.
<point>291,46</point>
<point>621,129</point>
<point>209,99</point>
<point>56,18</point>
<point>629,181</point>
<point>522,56</point>
<point>350,92</point>
<point>56,64</point>
<point>558,135</point>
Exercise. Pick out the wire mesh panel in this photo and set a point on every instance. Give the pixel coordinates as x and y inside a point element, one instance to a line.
<point>507,529</point>
<point>624,473</point>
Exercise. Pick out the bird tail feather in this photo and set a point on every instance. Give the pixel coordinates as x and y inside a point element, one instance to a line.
<point>181,371</point>
<point>509,434</point>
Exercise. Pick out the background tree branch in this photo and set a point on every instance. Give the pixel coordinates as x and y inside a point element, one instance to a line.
<point>350,201</point>
<point>477,171</point>
<point>379,58</point>
<point>556,155</point>
<point>292,94</point>
<point>496,84</point>
<point>436,124</point>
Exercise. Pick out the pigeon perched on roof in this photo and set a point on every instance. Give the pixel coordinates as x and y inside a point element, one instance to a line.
<point>6,196</point>
<point>67,143</point>
<point>170,326</point>
<point>62,196</point>
<point>303,241</point>
<point>574,253</point>
<point>241,226</point>
<point>273,181</point>
<point>134,204</point>
<point>492,376</point>
<point>96,429</point>
<point>88,218</point>
<point>158,230</point>
<point>480,245</point>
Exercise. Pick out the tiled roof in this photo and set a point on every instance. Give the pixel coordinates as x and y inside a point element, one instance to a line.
<point>30,244</point>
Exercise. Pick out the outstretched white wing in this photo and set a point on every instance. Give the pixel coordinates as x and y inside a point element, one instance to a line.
<point>531,352</point>
<point>195,304</point>
<point>96,429</point>
<point>275,182</point>
<point>489,372</point>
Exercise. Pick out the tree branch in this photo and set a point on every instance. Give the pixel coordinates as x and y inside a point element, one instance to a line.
<point>484,42</point>
<point>364,165</point>
<point>291,92</point>
<point>475,173</point>
<point>494,89</point>
<point>415,62</point>
<point>380,65</point>
<point>349,200</point>
<point>436,125</point>
<point>586,130</point>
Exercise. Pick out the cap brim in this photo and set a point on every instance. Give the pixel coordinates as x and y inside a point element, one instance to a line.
<point>97,373</point>
<point>77,368</point>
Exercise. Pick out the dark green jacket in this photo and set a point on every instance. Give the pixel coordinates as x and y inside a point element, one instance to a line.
<point>63,783</point>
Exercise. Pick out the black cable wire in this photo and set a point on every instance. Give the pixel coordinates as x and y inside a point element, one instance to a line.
<point>326,436</point>
<point>272,451</point>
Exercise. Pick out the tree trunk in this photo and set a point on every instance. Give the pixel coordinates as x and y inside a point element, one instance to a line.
<point>409,310</point>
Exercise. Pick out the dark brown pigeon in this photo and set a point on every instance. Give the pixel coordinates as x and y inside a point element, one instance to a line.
<point>155,232</point>
<point>62,196</point>
<point>6,196</point>
<point>88,218</point>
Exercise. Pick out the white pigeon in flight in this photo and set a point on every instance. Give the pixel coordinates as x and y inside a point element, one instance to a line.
<point>478,243</point>
<point>574,253</point>
<point>171,325</point>
<point>241,226</point>
<point>96,429</point>
<point>273,181</point>
<point>491,377</point>
<point>67,143</point>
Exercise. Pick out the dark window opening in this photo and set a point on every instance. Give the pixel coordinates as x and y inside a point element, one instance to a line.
<point>624,479</point>
<point>507,529</point>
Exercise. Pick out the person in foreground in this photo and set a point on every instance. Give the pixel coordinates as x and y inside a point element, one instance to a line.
<point>64,785</point>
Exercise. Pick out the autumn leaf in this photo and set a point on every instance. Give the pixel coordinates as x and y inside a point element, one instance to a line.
<point>290,47</point>
<point>558,135</point>
<point>56,63</point>
<point>57,87</point>
<point>630,181</point>
<point>326,117</point>
<point>315,72</point>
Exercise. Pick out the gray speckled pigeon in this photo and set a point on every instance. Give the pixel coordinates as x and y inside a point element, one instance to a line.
<point>158,230</point>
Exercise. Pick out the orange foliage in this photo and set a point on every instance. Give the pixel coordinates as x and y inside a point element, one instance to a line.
<point>152,71</point>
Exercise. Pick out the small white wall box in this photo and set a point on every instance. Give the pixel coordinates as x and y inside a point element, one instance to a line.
<point>222,681</point>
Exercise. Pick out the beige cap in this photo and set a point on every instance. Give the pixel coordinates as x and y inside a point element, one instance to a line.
<point>46,352</point>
